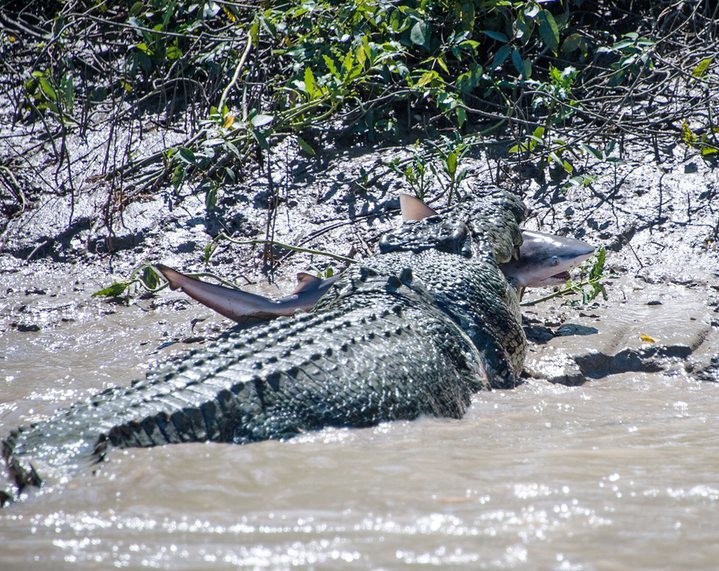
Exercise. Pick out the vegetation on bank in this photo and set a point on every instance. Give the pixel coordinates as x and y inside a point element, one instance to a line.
<point>552,79</point>
<point>551,82</point>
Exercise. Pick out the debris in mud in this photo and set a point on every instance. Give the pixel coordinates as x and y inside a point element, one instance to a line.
<point>26,327</point>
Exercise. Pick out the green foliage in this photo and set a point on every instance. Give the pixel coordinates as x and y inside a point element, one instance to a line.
<point>115,289</point>
<point>440,164</point>
<point>256,74</point>
<point>702,68</point>
<point>634,56</point>
<point>590,284</point>
<point>706,142</point>
<point>418,171</point>
<point>145,276</point>
<point>48,92</point>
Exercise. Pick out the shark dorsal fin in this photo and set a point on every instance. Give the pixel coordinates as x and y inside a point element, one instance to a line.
<point>307,282</point>
<point>413,208</point>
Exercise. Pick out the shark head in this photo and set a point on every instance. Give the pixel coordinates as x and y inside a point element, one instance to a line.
<point>545,259</point>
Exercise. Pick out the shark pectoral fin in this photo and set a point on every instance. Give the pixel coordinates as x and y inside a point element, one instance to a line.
<point>413,208</point>
<point>307,282</point>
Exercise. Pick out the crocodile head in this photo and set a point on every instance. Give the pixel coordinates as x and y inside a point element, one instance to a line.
<point>542,259</point>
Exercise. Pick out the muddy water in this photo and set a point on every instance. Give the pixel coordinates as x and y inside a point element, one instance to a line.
<point>618,473</point>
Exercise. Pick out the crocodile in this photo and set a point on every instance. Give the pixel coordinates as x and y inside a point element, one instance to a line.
<point>414,329</point>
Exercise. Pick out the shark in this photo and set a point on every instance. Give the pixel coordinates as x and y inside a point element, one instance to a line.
<point>542,260</point>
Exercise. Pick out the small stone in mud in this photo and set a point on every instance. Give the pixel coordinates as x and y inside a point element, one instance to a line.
<point>575,329</point>
<point>35,291</point>
<point>27,327</point>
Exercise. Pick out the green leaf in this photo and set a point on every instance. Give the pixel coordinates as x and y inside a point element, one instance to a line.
<point>68,91</point>
<point>348,63</point>
<point>598,267</point>
<point>461,115</point>
<point>230,146</point>
<point>548,30</point>
<point>596,153</point>
<point>254,32</point>
<point>306,147</point>
<point>208,251</point>
<point>427,78</point>
<point>523,66</point>
<point>310,85</point>
<point>420,33</point>
<point>187,156</point>
<point>173,52</point>
<point>468,81</point>
<point>451,162</point>
<point>575,42</point>
<point>47,89</point>
<point>331,65</point>
<point>440,62</point>
<point>363,52</point>
<point>499,36</point>
<point>211,198</point>
<point>501,56</point>
<point>701,69</point>
<point>136,9</point>
<point>114,290</point>
<point>688,136</point>
<point>150,278</point>
<point>524,28</point>
<point>178,176</point>
<point>144,48</point>
<point>260,120</point>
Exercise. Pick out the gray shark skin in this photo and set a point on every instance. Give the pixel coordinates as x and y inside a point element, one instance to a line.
<point>545,259</point>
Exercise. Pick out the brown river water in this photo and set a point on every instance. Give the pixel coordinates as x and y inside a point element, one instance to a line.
<point>621,472</point>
